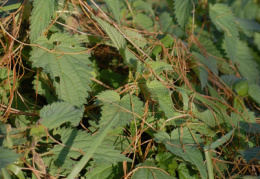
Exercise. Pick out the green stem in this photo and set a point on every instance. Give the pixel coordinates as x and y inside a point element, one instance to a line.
<point>84,160</point>
<point>209,163</point>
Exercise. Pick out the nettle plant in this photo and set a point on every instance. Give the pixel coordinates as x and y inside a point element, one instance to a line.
<point>135,89</point>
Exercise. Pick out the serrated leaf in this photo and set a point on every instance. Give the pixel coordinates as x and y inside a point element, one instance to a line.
<point>184,172</point>
<point>95,143</point>
<point>114,7</point>
<point>242,88</point>
<point>166,21</point>
<point>135,37</point>
<point>7,156</point>
<point>246,65</point>
<point>41,17</point>
<point>149,170</point>
<point>142,5</point>
<point>202,74</point>
<point>254,92</point>
<point>116,37</point>
<point>144,21</point>
<point>229,80</point>
<point>42,88</point>
<point>164,97</point>
<point>78,141</point>
<point>127,107</point>
<point>189,152</point>
<point>182,9</point>
<point>58,113</point>
<point>223,18</point>
<point>207,116</point>
<point>257,40</point>
<point>105,171</point>
<point>250,154</point>
<point>69,69</point>
<point>159,66</point>
<point>166,41</point>
<point>209,62</point>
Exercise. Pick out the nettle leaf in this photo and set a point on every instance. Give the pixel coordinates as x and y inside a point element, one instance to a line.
<point>207,116</point>
<point>7,157</point>
<point>166,21</point>
<point>223,18</point>
<point>250,154</point>
<point>188,151</point>
<point>127,107</point>
<point>114,7</point>
<point>202,74</point>
<point>209,62</point>
<point>142,5</point>
<point>79,140</point>
<point>182,9</point>
<point>246,65</point>
<point>257,40</point>
<point>254,91</point>
<point>41,17</point>
<point>149,170</point>
<point>159,66</point>
<point>58,113</point>
<point>164,97</point>
<point>116,37</point>
<point>105,171</point>
<point>183,143</point>
<point>67,64</point>
<point>135,37</point>
<point>144,21</point>
<point>41,86</point>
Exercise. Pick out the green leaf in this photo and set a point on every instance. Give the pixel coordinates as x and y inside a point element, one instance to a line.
<point>144,21</point>
<point>250,154</point>
<point>135,37</point>
<point>16,171</point>
<point>142,5</point>
<point>209,62</point>
<point>96,142</point>
<point>207,116</point>
<point>182,9</point>
<point>105,171</point>
<point>68,66</point>
<point>164,97</point>
<point>257,40</point>
<point>246,65</point>
<point>149,170</point>
<point>202,74</point>
<point>242,88</point>
<point>58,113</point>
<point>116,37</point>
<point>41,17</point>
<point>166,41</point>
<point>183,143</point>
<point>159,66</point>
<point>7,157</point>
<point>254,91</point>
<point>166,22</point>
<point>184,172</point>
<point>223,18</point>
<point>220,141</point>
<point>127,107</point>
<point>114,7</point>
<point>42,88</point>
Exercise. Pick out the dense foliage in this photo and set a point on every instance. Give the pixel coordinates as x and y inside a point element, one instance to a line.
<point>156,89</point>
